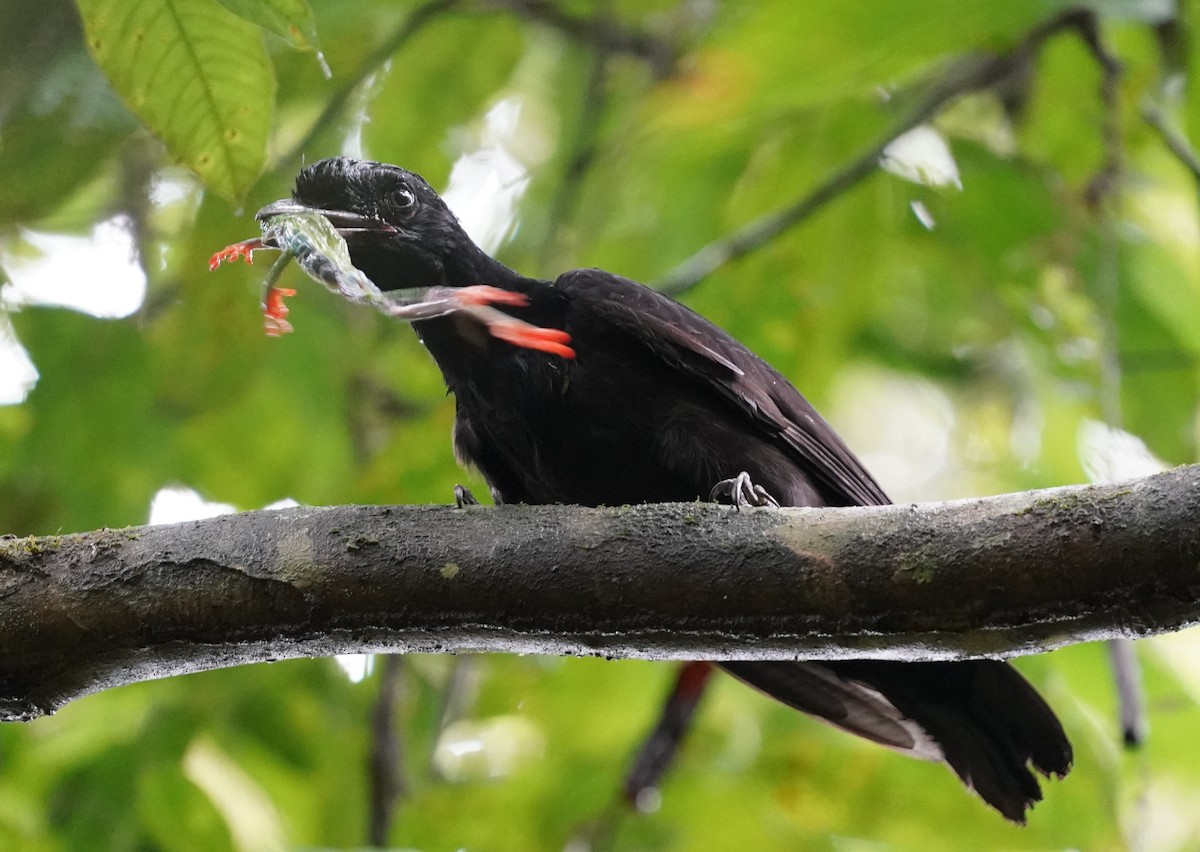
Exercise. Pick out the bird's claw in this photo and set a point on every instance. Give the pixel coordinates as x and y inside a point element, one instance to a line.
<point>463,497</point>
<point>741,492</point>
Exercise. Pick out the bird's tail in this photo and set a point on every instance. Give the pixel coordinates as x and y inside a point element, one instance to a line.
<point>979,716</point>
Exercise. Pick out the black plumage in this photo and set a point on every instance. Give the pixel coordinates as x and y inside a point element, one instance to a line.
<point>660,405</point>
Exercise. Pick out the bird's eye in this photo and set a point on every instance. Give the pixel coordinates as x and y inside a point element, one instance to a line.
<point>405,199</point>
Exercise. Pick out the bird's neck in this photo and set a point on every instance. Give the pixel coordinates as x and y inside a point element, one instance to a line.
<point>462,347</point>
<point>406,267</point>
<point>475,266</point>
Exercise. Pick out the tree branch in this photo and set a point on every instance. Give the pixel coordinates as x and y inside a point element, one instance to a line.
<point>968,74</point>
<point>385,769</point>
<point>599,31</point>
<point>1175,140</point>
<point>412,24</point>
<point>585,145</point>
<point>1103,198</point>
<point>1012,574</point>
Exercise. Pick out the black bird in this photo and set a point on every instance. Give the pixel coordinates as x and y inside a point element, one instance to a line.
<point>660,405</point>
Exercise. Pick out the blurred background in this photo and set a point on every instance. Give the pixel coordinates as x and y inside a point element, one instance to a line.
<point>1006,297</point>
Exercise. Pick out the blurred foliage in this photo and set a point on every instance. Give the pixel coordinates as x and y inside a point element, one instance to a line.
<point>961,339</point>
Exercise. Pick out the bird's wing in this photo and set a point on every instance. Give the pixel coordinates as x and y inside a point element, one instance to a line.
<point>978,716</point>
<point>690,343</point>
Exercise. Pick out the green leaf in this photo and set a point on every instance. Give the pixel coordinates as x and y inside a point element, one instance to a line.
<point>825,50</point>
<point>79,157</point>
<point>196,75</point>
<point>290,19</point>
<point>56,109</point>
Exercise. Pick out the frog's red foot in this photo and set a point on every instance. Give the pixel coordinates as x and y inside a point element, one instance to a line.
<point>510,329</point>
<point>275,311</point>
<point>479,295</point>
<point>244,250</point>
<point>518,333</point>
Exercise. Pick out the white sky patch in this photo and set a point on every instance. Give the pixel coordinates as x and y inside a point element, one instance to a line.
<point>900,425</point>
<point>356,666</point>
<point>17,373</point>
<point>352,142</point>
<point>922,156</point>
<point>486,184</point>
<point>97,274</point>
<point>174,504</point>
<point>1109,454</point>
<point>364,97</point>
<point>173,186</point>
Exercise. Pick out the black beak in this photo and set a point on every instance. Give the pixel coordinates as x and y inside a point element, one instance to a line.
<point>344,221</point>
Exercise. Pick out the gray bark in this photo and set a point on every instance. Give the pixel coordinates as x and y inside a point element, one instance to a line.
<point>1006,575</point>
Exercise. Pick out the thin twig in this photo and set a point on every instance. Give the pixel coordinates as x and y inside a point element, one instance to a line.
<point>1102,197</point>
<point>688,22</point>
<point>458,697</point>
<point>413,24</point>
<point>1177,143</point>
<point>1103,186</point>
<point>386,775</point>
<point>967,75</point>
<point>1127,673</point>
<point>600,31</point>
<point>586,146</point>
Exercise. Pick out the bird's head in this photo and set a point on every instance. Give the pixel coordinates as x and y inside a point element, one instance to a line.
<point>399,232</point>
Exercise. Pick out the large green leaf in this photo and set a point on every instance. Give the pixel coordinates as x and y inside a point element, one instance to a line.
<point>196,75</point>
<point>290,19</point>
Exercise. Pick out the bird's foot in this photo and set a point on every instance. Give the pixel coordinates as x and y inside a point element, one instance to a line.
<point>741,492</point>
<point>463,497</point>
